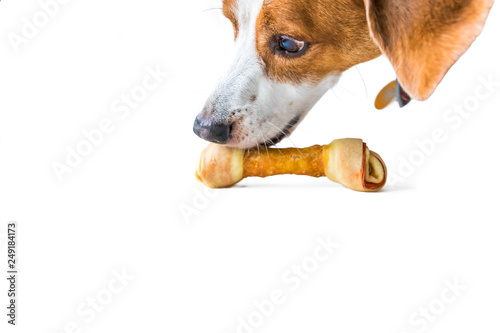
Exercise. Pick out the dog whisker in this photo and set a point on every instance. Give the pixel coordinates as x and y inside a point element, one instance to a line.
<point>257,144</point>
<point>265,145</point>
<point>344,89</point>
<point>286,136</point>
<point>362,79</point>
<point>209,9</point>
<point>334,94</point>
<point>281,132</point>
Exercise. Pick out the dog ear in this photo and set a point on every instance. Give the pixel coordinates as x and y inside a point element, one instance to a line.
<point>423,38</point>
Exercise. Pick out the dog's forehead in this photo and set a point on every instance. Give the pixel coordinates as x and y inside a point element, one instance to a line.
<point>243,10</point>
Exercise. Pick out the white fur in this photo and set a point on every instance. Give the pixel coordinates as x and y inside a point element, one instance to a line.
<point>255,122</point>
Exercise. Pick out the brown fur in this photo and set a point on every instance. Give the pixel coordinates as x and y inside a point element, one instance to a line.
<point>336,30</point>
<point>228,9</point>
<point>421,38</point>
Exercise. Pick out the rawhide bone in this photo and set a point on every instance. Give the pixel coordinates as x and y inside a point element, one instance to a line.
<point>345,161</point>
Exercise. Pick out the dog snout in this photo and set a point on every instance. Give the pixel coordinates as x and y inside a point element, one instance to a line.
<point>211,130</point>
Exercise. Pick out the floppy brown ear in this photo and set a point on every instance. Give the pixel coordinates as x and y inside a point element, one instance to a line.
<point>423,38</point>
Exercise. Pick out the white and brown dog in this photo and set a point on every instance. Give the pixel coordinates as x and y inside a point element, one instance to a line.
<point>290,52</point>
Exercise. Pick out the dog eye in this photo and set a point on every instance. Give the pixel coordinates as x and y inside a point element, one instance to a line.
<point>288,46</point>
<point>291,45</point>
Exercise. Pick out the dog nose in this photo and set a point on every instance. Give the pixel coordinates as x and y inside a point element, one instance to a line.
<point>212,131</point>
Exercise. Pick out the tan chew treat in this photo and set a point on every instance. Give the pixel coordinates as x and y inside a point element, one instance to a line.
<point>289,161</point>
<point>346,161</point>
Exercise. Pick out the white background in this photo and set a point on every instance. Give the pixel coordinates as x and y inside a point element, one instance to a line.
<point>121,208</point>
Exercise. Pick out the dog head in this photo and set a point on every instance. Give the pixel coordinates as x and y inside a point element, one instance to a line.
<point>290,52</point>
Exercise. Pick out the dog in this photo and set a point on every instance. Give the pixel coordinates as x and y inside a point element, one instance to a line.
<point>291,52</point>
